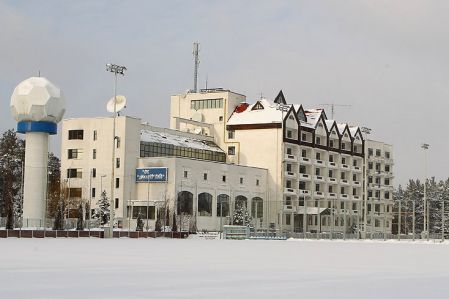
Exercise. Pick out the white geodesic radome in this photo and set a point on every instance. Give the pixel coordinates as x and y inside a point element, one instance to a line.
<point>37,99</point>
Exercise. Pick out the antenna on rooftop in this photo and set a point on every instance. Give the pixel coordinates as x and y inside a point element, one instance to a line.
<point>332,105</point>
<point>196,51</point>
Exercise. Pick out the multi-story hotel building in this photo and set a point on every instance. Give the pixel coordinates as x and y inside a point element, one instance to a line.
<point>312,161</point>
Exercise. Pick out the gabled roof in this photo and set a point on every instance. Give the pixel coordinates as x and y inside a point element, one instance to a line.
<point>257,106</point>
<point>356,131</point>
<point>343,128</point>
<point>280,99</point>
<point>269,114</point>
<point>300,112</point>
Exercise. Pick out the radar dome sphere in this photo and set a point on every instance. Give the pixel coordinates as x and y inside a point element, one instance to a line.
<point>37,99</point>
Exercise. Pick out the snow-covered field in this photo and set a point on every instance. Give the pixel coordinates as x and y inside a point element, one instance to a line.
<point>193,268</point>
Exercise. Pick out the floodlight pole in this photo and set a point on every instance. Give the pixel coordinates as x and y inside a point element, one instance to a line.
<point>425,147</point>
<point>366,131</point>
<point>116,69</point>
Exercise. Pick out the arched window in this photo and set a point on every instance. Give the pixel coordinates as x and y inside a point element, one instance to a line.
<point>257,207</point>
<point>223,205</point>
<point>205,204</point>
<point>241,201</point>
<point>185,203</point>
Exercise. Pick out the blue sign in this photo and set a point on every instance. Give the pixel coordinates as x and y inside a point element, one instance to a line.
<point>152,175</point>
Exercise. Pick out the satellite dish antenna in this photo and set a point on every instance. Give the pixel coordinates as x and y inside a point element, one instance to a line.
<point>198,130</point>
<point>197,117</point>
<point>120,103</point>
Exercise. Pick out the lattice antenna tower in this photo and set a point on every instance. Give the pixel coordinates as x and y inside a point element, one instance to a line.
<point>196,51</point>
<point>332,105</point>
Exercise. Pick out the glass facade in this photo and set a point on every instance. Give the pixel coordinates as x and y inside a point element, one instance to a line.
<point>206,104</point>
<point>153,149</point>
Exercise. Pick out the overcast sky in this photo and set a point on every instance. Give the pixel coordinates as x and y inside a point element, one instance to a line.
<point>388,59</point>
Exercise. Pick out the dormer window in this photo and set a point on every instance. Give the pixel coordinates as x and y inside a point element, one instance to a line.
<point>257,106</point>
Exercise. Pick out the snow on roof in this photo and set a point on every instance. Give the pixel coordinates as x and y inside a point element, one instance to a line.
<point>353,130</point>
<point>260,116</point>
<point>159,137</point>
<point>341,127</point>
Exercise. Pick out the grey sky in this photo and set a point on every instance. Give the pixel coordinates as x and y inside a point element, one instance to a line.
<point>388,59</point>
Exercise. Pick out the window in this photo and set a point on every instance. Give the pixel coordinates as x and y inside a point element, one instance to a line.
<point>331,158</point>
<point>343,160</point>
<point>343,145</point>
<point>231,150</point>
<point>143,212</point>
<point>185,173</point>
<point>205,204</point>
<point>94,172</point>
<point>116,203</point>
<point>370,165</point>
<point>354,163</point>
<point>387,155</point>
<point>205,176</point>
<point>185,203</point>
<point>317,187</point>
<point>223,179</point>
<point>342,190</point>
<point>370,179</point>
<point>370,193</point>
<point>94,154</point>
<point>354,177</point>
<point>378,153</point>
<point>318,156</point>
<point>95,135</point>
<point>257,182</point>
<point>206,104</point>
<point>331,143</point>
<point>330,189</point>
<point>331,173</point>
<point>342,176</point>
<point>354,191</point>
<point>302,169</point>
<point>93,192</point>
<point>223,205</point>
<point>303,137</point>
<point>302,185</point>
<point>387,181</point>
<point>220,118</point>
<point>117,141</point>
<point>387,195</point>
<point>117,182</point>
<point>117,162</point>
<point>288,184</point>
<point>231,134</point>
<point>289,167</point>
<point>317,171</point>
<point>289,151</point>
<point>377,180</point>
<point>289,134</point>
<point>387,168</point>
<point>318,140</point>
<point>370,152</point>
<point>75,153</point>
<point>287,219</point>
<point>75,192</point>
<point>257,207</point>
<point>74,173</point>
<point>76,134</point>
<point>304,153</point>
<point>241,180</point>
<point>377,166</point>
<point>158,149</point>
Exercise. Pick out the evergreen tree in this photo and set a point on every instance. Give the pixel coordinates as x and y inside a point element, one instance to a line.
<point>80,222</point>
<point>139,226</point>
<point>103,211</point>
<point>59,217</point>
<point>241,216</point>
<point>54,185</point>
<point>174,227</point>
<point>12,154</point>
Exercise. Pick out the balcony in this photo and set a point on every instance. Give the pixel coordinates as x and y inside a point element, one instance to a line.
<point>290,158</point>
<point>344,182</point>
<point>319,163</point>
<point>304,192</point>
<point>289,191</point>
<point>305,160</point>
<point>289,208</point>
<point>304,177</point>
<point>332,195</point>
<point>319,178</point>
<point>357,183</point>
<point>290,175</point>
<point>332,180</point>
<point>356,197</point>
<point>356,169</point>
<point>332,165</point>
<point>319,194</point>
<point>344,196</point>
<point>345,166</point>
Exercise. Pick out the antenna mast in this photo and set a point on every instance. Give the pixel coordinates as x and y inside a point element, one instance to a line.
<point>332,105</point>
<point>196,50</point>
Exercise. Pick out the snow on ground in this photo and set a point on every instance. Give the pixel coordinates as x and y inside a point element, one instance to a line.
<point>194,268</point>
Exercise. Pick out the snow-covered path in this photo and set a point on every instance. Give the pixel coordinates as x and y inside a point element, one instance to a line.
<point>170,268</point>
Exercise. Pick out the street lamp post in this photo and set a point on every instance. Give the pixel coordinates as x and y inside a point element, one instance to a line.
<point>365,131</point>
<point>101,192</point>
<point>116,70</point>
<point>425,147</point>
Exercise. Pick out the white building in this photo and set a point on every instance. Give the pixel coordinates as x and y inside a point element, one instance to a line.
<point>200,187</point>
<point>308,156</point>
